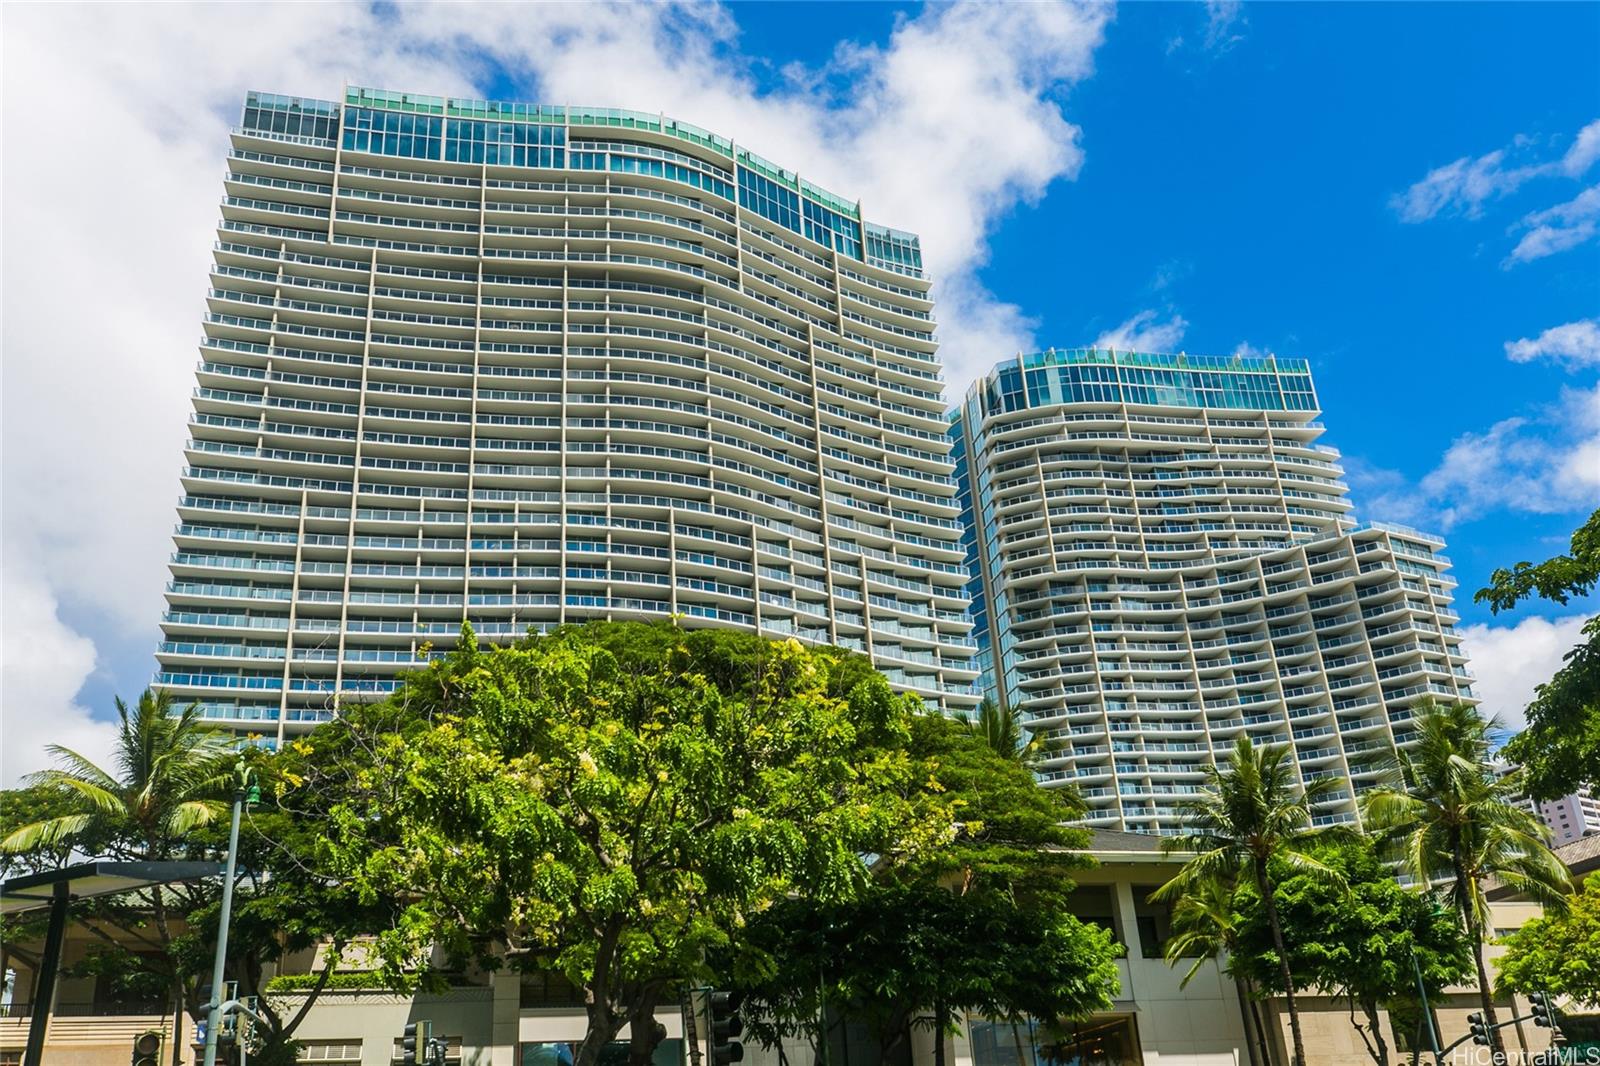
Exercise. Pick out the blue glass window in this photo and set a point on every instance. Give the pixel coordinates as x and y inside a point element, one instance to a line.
<point>392,133</point>
<point>830,228</point>
<point>769,199</point>
<point>516,144</point>
<point>317,119</point>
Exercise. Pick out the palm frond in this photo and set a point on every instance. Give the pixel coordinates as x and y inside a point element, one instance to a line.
<point>51,833</point>
<point>191,814</point>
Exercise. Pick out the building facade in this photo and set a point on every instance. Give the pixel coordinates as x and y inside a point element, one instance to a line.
<point>1572,817</point>
<point>510,1019</point>
<point>1165,560</point>
<point>521,365</point>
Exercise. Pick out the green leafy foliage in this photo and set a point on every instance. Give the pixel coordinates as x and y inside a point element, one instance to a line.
<point>1357,942</point>
<point>1448,817</point>
<point>611,801</point>
<point>1560,748</point>
<point>1251,817</point>
<point>977,924</point>
<point>1558,953</point>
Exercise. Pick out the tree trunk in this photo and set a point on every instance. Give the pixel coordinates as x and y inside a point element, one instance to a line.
<point>1267,897</point>
<point>1255,1028</point>
<point>603,1028</point>
<point>1374,1024</point>
<point>1016,1038</point>
<point>644,1032</point>
<point>1497,1047</point>
<point>939,1025</point>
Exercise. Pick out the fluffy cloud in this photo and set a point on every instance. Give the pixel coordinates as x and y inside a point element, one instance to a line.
<point>1584,151</point>
<point>1460,188</point>
<point>1144,332</point>
<point>1223,17</point>
<point>1545,464</point>
<point>1558,228</point>
<point>942,129</point>
<point>1576,344</point>
<point>1464,186</point>
<point>1512,661</point>
<point>40,682</point>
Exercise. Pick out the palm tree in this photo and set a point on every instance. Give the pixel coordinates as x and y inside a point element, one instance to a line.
<point>1249,815</point>
<point>1001,728</point>
<point>170,767</point>
<point>170,772</point>
<point>1449,818</point>
<point>1204,925</point>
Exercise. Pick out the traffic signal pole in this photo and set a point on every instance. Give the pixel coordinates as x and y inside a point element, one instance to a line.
<point>1438,1058</point>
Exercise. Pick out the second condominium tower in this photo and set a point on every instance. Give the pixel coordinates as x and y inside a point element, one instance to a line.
<point>521,365</point>
<point>1164,560</point>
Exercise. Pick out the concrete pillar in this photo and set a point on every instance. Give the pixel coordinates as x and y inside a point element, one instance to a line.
<point>1128,930</point>
<point>505,1017</point>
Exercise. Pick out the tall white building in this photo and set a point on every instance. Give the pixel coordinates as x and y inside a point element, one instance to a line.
<point>1164,561</point>
<point>522,365</point>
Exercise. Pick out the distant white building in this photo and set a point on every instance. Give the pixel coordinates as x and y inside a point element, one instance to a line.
<point>1572,817</point>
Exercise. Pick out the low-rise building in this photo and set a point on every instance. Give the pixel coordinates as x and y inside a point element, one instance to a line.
<point>507,1019</point>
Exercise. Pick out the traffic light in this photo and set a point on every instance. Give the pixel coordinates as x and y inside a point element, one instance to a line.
<point>1544,1011</point>
<point>414,1042</point>
<point>147,1048</point>
<point>726,1027</point>
<point>1480,1029</point>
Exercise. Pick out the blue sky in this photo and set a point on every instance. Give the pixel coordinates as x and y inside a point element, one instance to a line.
<point>1245,185</point>
<point>1379,188</point>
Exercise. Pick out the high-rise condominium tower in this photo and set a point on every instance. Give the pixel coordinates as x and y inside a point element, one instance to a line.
<point>1164,561</point>
<point>521,365</point>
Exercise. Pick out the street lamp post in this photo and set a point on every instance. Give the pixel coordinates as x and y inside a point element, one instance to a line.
<point>243,790</point>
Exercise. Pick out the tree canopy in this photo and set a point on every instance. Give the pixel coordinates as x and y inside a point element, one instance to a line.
<point>1252,817</point>
<point>1447,816</point>
<point>1560,748</point>
<point>1558,953</point>
<point>610,801</point>
<point>1356,942</point>
<point>978,924</point>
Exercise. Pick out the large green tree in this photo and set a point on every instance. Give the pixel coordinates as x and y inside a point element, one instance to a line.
<point>167,782</point>
<point>1558,952</point>
<point>609,801</point>
<point>1250,819</point>
<point>1560,748</point>
<point>1451,820</point>
<point>1357,942</point>
<point>978,924</point>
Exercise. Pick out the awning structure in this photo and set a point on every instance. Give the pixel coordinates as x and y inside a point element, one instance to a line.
<point>85,880</point>
<point>56,889</point>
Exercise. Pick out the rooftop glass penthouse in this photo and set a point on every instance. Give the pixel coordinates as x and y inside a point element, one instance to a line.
<point>1193,574</point>
<point>521,364</point>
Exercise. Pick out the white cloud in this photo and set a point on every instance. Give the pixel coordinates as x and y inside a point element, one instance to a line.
<point>1222,17</point>
<point>1144,333</point>
<point>1512,661</point>
<point>1246,350</point>
<point>942,129</point>
<point>1558,228</point>
<point>1584,151</point>
<point>1545,464</point>
<point>1460,188</point>
<point>1466,185</point>
<point>1576,344</point>
<point>38,683</point>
